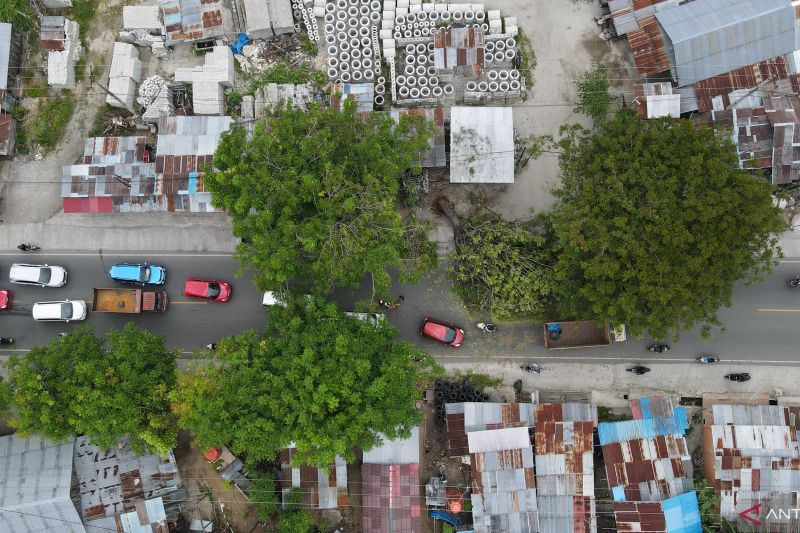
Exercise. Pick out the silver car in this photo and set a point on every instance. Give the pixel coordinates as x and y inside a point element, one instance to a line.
<point>41,275</point>
<point>59,311</point>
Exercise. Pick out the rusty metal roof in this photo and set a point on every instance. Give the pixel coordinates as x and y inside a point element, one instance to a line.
<point>647,46</point>
<point>459,50</point>
<point>680,514</point>
<point>464,417</point>
<point>565,412</point>
<point>392,501</point>
<point>192,20</point>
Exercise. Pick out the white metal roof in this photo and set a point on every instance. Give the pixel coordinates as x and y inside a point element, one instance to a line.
<point>481,145</point>
<point>395,452</point>
<point>36,476</point>
<point>5,52</point>
<point>498,439</point>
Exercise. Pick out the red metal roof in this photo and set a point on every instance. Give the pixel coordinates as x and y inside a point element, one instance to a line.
<point>392,501</point>
<point>644,517</point>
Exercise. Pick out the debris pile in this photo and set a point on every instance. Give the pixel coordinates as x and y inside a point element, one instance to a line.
<point>263,55</point>
<point>149,89</point>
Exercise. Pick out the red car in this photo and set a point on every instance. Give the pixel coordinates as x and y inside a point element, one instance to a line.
<point>442,332</point>
<point>208,289</point>
<point>5,299</point>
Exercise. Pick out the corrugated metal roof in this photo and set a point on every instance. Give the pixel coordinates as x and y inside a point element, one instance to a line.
<point>191,20</point>
<point>395,452</point>
<point>565,412</point>
<point>642,429</point>
<point>392,501</point>
<point>756,415</point>
<point>464,417</point>
<point>35,490</point>
<point>498,439</point>
<point>710,37</point>
<point>648,48</point>
<point>362,94</point>
<point>5,53</point>
<point>148,516</point>
<point>564,460</point>
<point>435,156</point>
<point>459,50</point>
<point>481,145</point>
<point>321,489</point>
<point>109,481</point>
<point>680,514</point>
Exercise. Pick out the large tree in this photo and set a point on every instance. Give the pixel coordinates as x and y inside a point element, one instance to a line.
<point>658,223</point>
<point>322,380</point>
<point>77,386</point>
<point>313,194</point>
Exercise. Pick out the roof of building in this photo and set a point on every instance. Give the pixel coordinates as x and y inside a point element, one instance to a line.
<point>35,492</point>
<point>362,94</point>
<point>565,412</point>
<point>141,17</point>
<point>8,128</point>
<point>5,53</point>
<point>652,406</point>
<point>656,100</point>
<point>51,33</point>
<point>558,514</point>
<point>321,489</point>
<point>111,481</point>
<point>192,20</point>
<point>642,429</point>
<point>148,516</point>
<point>481,145</point>
<point>395,452</point>
<point>648,48</point>
<point>460,50</point>
<point>392,501</point>
<point>680,514</point>
<point>710,37</point>
<point>435,156</point>
<point>475,416</point>
<point>626,14</point>
<point>504,484</point>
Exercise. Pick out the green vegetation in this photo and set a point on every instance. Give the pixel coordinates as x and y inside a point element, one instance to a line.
<point>265,492</point>
<point>315,192</point>
<point>504,268</point>
<point>19,13</point>
<point>78,386</point>
<point>527,57</point>
<point>296,521</point>
<point>607,414</point>
<point>286,72</point>
<point>233,101</point>
<point>477,380</point>
<point>83,12</point>
<point>594,96</point>
<point>52,116</point>
<point>315,377</point>
<point>308,46</point>
<point>657,223</point>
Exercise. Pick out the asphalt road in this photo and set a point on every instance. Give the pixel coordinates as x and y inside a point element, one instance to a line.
<point>761,327</point>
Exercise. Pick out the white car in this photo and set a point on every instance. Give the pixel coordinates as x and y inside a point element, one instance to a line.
<point>41,275</point>
<point>61,311</point>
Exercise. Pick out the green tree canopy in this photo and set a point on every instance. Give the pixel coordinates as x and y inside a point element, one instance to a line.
<point>657,224</point>
<point>320,379</point>
<point>77,386</point>
<point>314,193</point>
<point>505,268</point>
<point>594,98</point>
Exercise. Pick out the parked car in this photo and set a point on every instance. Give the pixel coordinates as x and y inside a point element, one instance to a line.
<point>139,274</point>
<point>59,311</point>
<point>208,289</point>
<point>6,299</point>
<point>442,331</point>
<point>41,275</point>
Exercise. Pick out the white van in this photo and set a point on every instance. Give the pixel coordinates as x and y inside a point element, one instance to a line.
<point>60,311</point>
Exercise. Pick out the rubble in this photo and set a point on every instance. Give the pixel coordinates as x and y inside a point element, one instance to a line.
<point>149,90</point>
<point>142,37</point>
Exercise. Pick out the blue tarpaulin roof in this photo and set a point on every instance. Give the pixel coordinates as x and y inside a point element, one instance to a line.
<point>682,513</point>
<point>643,429</point>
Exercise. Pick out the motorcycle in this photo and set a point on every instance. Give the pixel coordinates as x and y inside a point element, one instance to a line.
<point>794,283</point>
<point>658,348</point>
<point>639,370</point>
<point>6,340</point>
<point>27,247</point>
<point>486,327</point>
<point>211,346</point>
<point>532,368</point>
<point>741,377</point>
<point>707,360</point>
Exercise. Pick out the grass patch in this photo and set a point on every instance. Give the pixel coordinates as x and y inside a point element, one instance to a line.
<point>527,58</point>
<point>47,127</point>
<point>308,46</point>
<point>83,12</point>
<point>284,72</point>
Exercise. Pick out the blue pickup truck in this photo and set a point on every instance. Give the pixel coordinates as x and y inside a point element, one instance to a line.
<point>139,274</point>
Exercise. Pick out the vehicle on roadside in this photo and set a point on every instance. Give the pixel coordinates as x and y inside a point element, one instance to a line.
<point>532,368</point>
<point>740,377</point>
<point>39,275</point>
<point>138,273</point>
<point>208,289</point>
<point>6,299</point>
<point>129,301</point>
<point>581,334</point>
<point>795,282</point>
<point>443,332</point>
<point>707,360</point>
<point>59,311</point>
<point>638,370</point>
<point>659,348</point>
<point>6,340</point>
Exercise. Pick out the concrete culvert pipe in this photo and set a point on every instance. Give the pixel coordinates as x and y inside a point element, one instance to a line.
<point>426,32</point>
<point>410,48</point>
<point>352,23</point>
<point>344,57</point>
<point>502,75</point>
<point>379,100</point>
<point>345,77</point>
<point>510,54</point>
<point>436,91</point>
<point>352,32</point>
<point>408,34</point>
<point>352,12</point>
<point>364,29</point>
<point>400,20</point>
<point>403,91</point>
<point>332,60</point>
<point>411,18</point>
<point>367,52</point>
<point>500,45</point>
<point>409,70</point>
<point>430,47</point>
<point>341,4</point>
<point>471,86</point>
<point>332,73</point>
<point>330,39</point>
<point>422,16</point>
<point>457,16</point>
<point>433,80</point>
<point>399,80</point>
<point>369,75</point>
<point>380,88</point>
<point>493,86</point>
<point>366,42</point>
<point>353,2</point>
<point>488,58</point>
<point>330,7</point>
<point>504,85</point>
<point>413,92</point>
<point>444,16</point>
<point>417,33</point>
<point>341,36</point>
<point>375,5</point>
<point>330,18</point>
<point>492,75</point>
<point>329,29</point>
<point>341,15</point>
<point>411,81</point>
<point>511,43</point>
<point>433,16</point>
<point>469,16</point>
<point>431,70</point>
<point>513,74</point>
<point>421,48</point>
<point>422,81</point>
<point>421,70</point>
<point>449,89</point>
<point>355,64</point>
<point>364,11</point>
<point>489,46</point>
<point>514,85</point>
<point>398,35</point>
<point>341,26</point>
<point>375,17</point>
<point>366,63</point>
<point>483,86</point>
<point>344,46</point>
<point>480,16</point>
<point>424,92</point>
<point>357,75</point>
<point>411,59</point>
<point>355,53</point>
<point>381,80</point>
<point>485,28</point>
<point>298,14</point>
